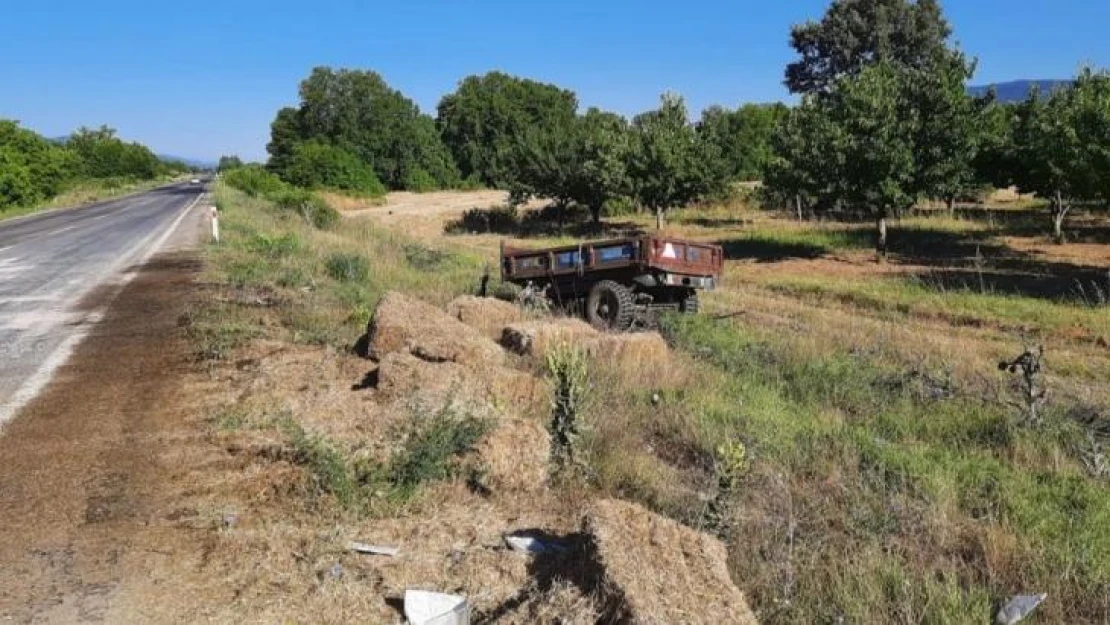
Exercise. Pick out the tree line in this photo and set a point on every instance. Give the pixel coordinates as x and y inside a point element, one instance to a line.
<point>34,169</point>
<point>884,120</point>
<point>352,132</point>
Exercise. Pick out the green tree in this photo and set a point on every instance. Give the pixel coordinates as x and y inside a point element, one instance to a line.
<point>104,155</point>
<point>360,112</point>
<point>602,152</point>
<point>855,34</point>
<point>227,163</point>
<point>669,165</point>
<point>947,134</point>
<point>993,163</point>
<point>32,168</point>
<point>743,137</point>
<point>484,121</point>
<point>1062,146</point>
<point>316,164</point>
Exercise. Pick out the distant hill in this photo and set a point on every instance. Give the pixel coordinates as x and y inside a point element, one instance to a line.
<point>1018,90</point>
<point>191,162</point>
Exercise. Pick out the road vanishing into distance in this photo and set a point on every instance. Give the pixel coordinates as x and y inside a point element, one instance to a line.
<point>58,270</point>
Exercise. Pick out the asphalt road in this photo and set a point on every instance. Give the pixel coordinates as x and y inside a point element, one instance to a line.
<point>57,267</point>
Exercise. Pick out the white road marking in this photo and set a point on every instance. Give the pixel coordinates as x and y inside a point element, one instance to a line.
<point>60,230</point>
<point>6,248</point>
<point>42,376</point>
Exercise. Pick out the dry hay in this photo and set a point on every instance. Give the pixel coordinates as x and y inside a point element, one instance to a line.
<point>537,338</point>
<point>488,316</point>
<point>562,603</point>
<point>640,360</point>
<point>402,323</point>
<point>514,456</point>
<point>660,571</point>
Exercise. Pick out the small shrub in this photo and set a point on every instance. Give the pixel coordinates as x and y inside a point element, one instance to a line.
<point>254,181</point>
<point>305,203</point>
<point>568,372</point>
<point>329,469</point>
<point>423,258</point>
<point>347,267</point>
<point>497,219</point>
<point>432,452</point>
<point>317,164</point>
<point>274,246</point>
<point>420,181</point>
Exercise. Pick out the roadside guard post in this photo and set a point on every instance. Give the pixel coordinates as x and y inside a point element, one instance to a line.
<point>215,225</point>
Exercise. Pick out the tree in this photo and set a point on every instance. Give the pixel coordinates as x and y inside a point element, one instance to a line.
<point>316,164</point>
<point>1062,146</point>
<point>856,34</point>
<point>359,112</point>
<point>601,155</point>
<point>853,147</point>
<point>947,136</point>
<point>104,155</point>
<point>993,163</point>
<point>743,137</point>
<point>484,120</point>
<point>228,163</point>
<point>669,165</point>
<point>32,168</point>
<point>285,133</point>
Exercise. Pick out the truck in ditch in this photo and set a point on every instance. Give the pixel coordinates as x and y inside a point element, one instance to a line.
<point>620,283</point>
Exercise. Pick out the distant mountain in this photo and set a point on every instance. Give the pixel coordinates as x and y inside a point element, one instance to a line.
<point>195,163</point>
<point>1018,90</point>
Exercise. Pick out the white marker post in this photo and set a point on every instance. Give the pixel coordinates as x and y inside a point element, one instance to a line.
<point>215,225</point>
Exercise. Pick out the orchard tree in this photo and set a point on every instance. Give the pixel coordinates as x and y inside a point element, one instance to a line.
<point>483,123</point>
<point>994,160</point>
<point>947,134</point>
<point>1062,146</point>
<point>670,166</point>
<point>743,137</point>
<point>602,151</point>
<point>856,34</point>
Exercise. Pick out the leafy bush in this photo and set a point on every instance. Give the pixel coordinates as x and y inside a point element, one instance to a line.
<point>317,164</point>
<point>315,210</point>
<point>420,181</point>
<point>348,267</point>
<point>255,181</point>
<point>274,246</point>
<point>498,219</point>
<point>431,452</point>
<point>32,169</point>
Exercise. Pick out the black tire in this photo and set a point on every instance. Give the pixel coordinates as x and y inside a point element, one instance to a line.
<point>609,306</point>
<point>690,304</point>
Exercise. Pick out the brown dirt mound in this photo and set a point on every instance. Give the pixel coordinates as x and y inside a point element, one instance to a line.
<point>402,323</point>
<point>488,316</point>
<point>661,571</point>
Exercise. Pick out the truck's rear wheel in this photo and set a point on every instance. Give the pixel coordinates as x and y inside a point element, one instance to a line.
<point>690,304</point>
<point>609,306</point>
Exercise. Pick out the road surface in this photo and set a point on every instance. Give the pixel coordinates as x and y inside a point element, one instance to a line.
<point>50,262</point>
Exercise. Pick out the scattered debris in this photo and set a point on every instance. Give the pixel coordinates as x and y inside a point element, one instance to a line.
<point>527,543</point>
<point>1031,388</point>
<point>229,520</point>
<point>423,607</point>
<point>1018,607</point>
<point>375,550</point>
<point>690,581</point>
<point>334,572</point>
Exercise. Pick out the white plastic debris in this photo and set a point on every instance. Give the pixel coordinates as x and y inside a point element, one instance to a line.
<point>1018,607</point>
<point>423,607</point>
<point>531,544</point>
<point>376,550</point>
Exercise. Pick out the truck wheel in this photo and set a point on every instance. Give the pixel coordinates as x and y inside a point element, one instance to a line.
<point>690,304</point>
<point>609,306</point>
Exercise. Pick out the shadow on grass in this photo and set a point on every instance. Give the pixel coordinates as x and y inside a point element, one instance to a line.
<point>547,222</point>
<point>1058,282</point>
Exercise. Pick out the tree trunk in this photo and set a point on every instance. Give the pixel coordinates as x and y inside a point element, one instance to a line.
<point>950,203</point>
<point>798,206</point>
<point>595,212</point>
<point>1059,211</point>
<point>659,218</point>
<point>880,242</point>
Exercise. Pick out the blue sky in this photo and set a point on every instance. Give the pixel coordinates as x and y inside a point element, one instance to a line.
<point>204,79</point>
